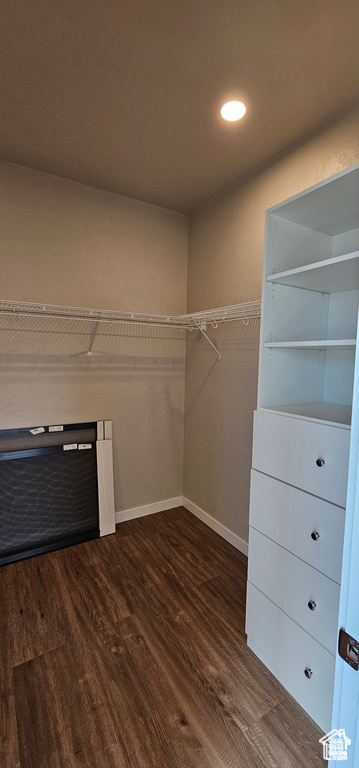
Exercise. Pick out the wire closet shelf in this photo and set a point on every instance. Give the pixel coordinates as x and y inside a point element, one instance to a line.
<point>188,322</point>
<point>244,312</point>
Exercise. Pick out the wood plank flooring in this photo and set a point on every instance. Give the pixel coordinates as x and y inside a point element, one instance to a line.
<point>130,652</point>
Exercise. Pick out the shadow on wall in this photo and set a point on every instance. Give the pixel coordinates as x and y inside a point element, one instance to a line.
<point>219,405</point>
<point>135,377</point>
<point>72,338</point>
<point>232,337</point>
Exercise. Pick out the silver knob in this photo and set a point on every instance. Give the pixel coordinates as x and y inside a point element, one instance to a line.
<point>312,605</point>
<point>320,462</point>
<point>315,535</point>
<point>308,672</point>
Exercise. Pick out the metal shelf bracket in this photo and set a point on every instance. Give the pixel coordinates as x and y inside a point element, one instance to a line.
<point>93,335</point>
<point>202,327</point>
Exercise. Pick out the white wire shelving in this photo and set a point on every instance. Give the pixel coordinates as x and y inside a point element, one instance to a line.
<point>197,320</point>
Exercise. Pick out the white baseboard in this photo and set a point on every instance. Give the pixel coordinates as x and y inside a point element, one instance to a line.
<point>221,529</point>
<point>148,509</point>
<point>179,501</point>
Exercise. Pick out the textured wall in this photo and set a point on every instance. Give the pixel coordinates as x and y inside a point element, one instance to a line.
<point>62,242</point>
<point>226,239</point>
<point>65,243</point>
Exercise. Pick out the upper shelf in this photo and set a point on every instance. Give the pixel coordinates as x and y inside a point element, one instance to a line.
<point>340,273</point>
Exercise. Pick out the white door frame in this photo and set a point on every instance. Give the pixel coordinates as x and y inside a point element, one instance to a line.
<point>346,682</point>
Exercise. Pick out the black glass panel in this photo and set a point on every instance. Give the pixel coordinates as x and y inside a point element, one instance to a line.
<point>47,496</point>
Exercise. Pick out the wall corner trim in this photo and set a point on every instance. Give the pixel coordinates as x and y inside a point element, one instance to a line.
<point>216,526</point>
<point>148,509</point>
<point>181,501</point>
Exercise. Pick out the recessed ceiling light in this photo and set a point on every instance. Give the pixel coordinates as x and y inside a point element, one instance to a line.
<point>233,110</point>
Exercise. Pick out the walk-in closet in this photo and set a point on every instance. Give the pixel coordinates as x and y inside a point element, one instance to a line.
<point>179,420</point>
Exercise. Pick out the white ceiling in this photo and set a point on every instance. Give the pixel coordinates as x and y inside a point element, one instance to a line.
<point>125,96</point>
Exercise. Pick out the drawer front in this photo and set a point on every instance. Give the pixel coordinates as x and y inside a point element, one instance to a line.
<point>287,650</point>
<point>288,449</point>
<point>305,594</point>
<point>294,519</point>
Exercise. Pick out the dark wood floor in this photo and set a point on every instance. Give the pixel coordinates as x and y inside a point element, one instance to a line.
<point>130,652</point>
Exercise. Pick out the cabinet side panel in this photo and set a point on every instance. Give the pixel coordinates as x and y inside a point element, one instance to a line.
<point>343,315</point>
<point>294,314</point>
<point>346,242</point>
<point>339,376</point>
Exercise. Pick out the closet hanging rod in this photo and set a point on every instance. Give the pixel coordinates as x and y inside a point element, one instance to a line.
<point>245,312</point>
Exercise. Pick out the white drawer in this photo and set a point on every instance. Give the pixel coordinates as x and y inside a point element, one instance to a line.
<point>294,586</point>
<point>287,650</point>
<point>288,448</point>
<point>290,517</point>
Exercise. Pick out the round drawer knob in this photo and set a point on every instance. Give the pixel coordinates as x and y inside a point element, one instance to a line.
<point>312,605</point>
<point>315,535</point>
<point>308,672</point>
<point>320,462</point>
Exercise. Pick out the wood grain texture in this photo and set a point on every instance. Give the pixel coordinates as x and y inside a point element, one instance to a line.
<point>130,652</point>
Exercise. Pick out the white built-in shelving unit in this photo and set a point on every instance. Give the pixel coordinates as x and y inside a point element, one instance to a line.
<point>311,294</point>
<point>301,441</point>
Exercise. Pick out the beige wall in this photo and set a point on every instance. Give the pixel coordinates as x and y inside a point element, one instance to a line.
<point>224,267</point>
<point>61,242</point>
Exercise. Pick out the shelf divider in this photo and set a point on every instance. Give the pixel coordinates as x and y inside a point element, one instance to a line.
<point>315,344</point>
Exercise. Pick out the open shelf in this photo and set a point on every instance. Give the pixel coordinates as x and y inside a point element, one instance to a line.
<point>316,344</point>
<point>340,273</point>
<point>331,413</point>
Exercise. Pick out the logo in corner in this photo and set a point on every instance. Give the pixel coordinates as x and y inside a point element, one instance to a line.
<point>335,745</point>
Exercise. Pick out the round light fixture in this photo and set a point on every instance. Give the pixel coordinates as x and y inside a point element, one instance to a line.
<point>233,110</point>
